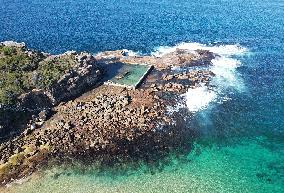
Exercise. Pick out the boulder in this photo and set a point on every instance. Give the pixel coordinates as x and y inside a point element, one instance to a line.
<point>82,76</point>
<point>36,99</point>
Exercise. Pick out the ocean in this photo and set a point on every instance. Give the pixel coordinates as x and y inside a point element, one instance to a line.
<point>240,122</point>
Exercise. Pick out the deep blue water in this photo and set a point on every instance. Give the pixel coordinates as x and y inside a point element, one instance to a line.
<point>142,25</point>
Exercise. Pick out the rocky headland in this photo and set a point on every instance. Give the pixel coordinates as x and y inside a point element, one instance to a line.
<point>55,108</point>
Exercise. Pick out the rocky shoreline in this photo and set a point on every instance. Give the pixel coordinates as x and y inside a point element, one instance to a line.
<point>106,121</point>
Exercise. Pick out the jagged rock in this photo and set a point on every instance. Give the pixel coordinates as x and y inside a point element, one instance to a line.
<point>79,78</point>
<point>33,126</point>
<point>168,77</point>
<point>36,99</point>
<point>44,114</point>
<point>115,122</point>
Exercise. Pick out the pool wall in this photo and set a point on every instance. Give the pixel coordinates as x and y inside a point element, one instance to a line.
<point>134,86</point>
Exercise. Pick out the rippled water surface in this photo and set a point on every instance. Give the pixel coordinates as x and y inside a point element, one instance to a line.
<point>240,146</point>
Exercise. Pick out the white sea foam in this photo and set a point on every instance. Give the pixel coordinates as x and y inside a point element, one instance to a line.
<point>131,52</point>
<point>226,75</point>
<point>223,66</point>
<point>224,50</point>
<point>176,108</point>
<point>199,98</point>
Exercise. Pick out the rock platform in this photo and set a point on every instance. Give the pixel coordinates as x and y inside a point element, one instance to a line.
<point>108,121</point>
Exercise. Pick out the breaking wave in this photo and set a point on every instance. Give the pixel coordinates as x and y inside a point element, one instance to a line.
<point>224,66</point>
<point>223,50</point>
<point>199,98</point>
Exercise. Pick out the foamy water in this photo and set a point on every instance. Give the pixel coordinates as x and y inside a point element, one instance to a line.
<point>226,74</point>
<point>199,98</point>
<point>224,66</point>
<point>131,52</point>
<point>223,50</point>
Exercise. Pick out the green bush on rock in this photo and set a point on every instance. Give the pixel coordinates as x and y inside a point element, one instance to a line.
<point>23,70</point>
<point>50,70</point>
<point>8,50</point>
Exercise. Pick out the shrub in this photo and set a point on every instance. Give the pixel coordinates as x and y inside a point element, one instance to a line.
<point>22,71</point>
<point>15,68</point>
<point>8,50</point>
<point>10,87</point>
<point>50,70</point>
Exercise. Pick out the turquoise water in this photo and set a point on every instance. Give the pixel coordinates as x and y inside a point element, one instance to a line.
<point>244,167</point>
<point>240,142</point>
<point>128,74</point>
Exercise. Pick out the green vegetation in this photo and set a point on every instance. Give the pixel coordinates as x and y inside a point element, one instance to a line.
<point>50,70</point>
<point>8,50</point>
<point>23,70</point>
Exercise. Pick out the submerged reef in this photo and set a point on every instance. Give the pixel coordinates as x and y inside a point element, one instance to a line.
<point>57,109</point>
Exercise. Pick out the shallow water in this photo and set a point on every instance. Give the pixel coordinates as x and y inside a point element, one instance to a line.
<point>241,141</point>
<point>248,166</point>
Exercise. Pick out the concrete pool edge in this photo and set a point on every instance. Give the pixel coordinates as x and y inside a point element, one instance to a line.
<point>136,85</point>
